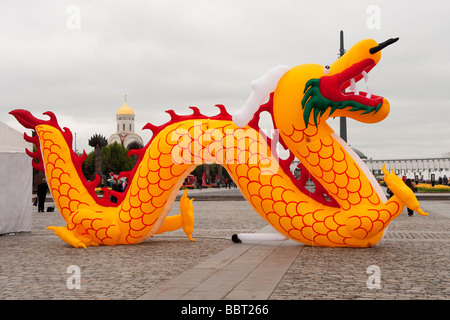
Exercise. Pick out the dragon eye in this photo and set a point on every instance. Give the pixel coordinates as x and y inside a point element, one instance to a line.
<point>326,69</point>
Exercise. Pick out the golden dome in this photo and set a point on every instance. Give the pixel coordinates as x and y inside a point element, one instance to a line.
<point>125,109</point>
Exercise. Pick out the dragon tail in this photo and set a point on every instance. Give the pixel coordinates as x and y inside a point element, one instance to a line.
<point>61,165</point>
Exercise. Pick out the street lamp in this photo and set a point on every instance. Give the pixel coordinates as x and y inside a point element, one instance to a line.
<point>343,120</point>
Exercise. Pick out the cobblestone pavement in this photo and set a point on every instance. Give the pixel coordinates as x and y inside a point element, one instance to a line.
<point>413,259</point>
<point>34,265</point>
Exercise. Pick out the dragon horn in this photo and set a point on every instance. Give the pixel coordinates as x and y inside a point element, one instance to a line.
<point>383,45</point>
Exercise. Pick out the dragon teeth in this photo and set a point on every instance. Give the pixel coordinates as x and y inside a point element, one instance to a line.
<point>353,86</point>
<point>355,89</point>
<point>365,75</point>
<point>366,78</point>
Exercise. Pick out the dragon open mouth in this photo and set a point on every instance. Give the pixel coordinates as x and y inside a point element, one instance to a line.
<point>328,93</point>
<point>348,79</point>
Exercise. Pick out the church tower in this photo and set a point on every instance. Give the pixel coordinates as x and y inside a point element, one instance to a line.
<point>125,119</point>
<point>125,127</point>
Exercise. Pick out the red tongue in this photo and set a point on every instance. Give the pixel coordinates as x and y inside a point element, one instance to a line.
<point>354,72</point>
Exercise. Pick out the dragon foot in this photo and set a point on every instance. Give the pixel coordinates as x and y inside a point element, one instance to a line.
<point>187,215</point>
<point>72,237</point>
<point>402,191</point>
<point>183,220</point>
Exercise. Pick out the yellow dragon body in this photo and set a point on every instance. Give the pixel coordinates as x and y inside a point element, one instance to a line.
<point>347,209</point>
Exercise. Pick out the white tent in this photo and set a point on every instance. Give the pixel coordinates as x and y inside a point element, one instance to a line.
<point>16,181</point>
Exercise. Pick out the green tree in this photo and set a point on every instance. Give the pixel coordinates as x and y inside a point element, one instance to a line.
<point>97,141</point>
<point>89,166</point>
<point>115,159</point>
<point>134,145</point>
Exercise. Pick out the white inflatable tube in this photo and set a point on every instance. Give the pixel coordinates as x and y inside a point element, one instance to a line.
<point>243,237</point>
<point>261,89</point>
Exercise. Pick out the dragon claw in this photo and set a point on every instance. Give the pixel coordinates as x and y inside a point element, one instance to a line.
<point>421,212</point>
<point>402,191</point>
<point>67,236</point>
<point>187,215</point>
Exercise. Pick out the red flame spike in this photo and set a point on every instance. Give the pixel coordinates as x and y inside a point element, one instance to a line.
<point>25,118</point>
<point>51,115</point>
<point>223,114</point>
<point>173,115</point>
<point>135,152</point>
<point>91,185</point>
<point>37,166</point>
<point>67,134</point>
<point>35,154</point>
<point>30,139</point>
<point>196,111</point>
<point>83,156</point>
<point>105,200</point>
<point>95,182</point>
<point>151,127</point>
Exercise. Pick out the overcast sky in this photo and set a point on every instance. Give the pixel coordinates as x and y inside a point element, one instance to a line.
<point>79,58</point>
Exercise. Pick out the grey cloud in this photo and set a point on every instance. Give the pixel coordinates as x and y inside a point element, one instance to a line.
<point>174,54</point>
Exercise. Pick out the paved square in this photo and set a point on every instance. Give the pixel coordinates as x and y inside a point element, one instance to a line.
<point>413,261</point>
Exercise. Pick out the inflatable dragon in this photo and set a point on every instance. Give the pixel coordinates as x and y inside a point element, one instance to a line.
<point>347,209</point>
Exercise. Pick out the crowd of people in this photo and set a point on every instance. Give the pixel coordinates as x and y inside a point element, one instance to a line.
<point>443,180</point>
<point>116,184</point>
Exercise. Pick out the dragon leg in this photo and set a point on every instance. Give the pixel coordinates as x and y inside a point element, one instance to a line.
<point>183,220</point>
<point>71,237</point>
<point>89,227</point>
<point>378,218</point>
<point>369,224</point>
<point>402,191</point>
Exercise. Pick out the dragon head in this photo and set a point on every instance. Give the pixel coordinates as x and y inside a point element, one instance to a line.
<point>309,93</point>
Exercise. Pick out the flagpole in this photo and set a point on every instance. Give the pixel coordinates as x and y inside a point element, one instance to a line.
<point>343,120</point>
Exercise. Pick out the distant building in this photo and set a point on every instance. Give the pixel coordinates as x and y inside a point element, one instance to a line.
<point>360,154</point>
<point>423,168</point>
<point>125,127</point>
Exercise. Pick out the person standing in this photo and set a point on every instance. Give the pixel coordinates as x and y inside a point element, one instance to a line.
<point>42,193</point>
<point>116,187</point>
<point>412,186</point>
